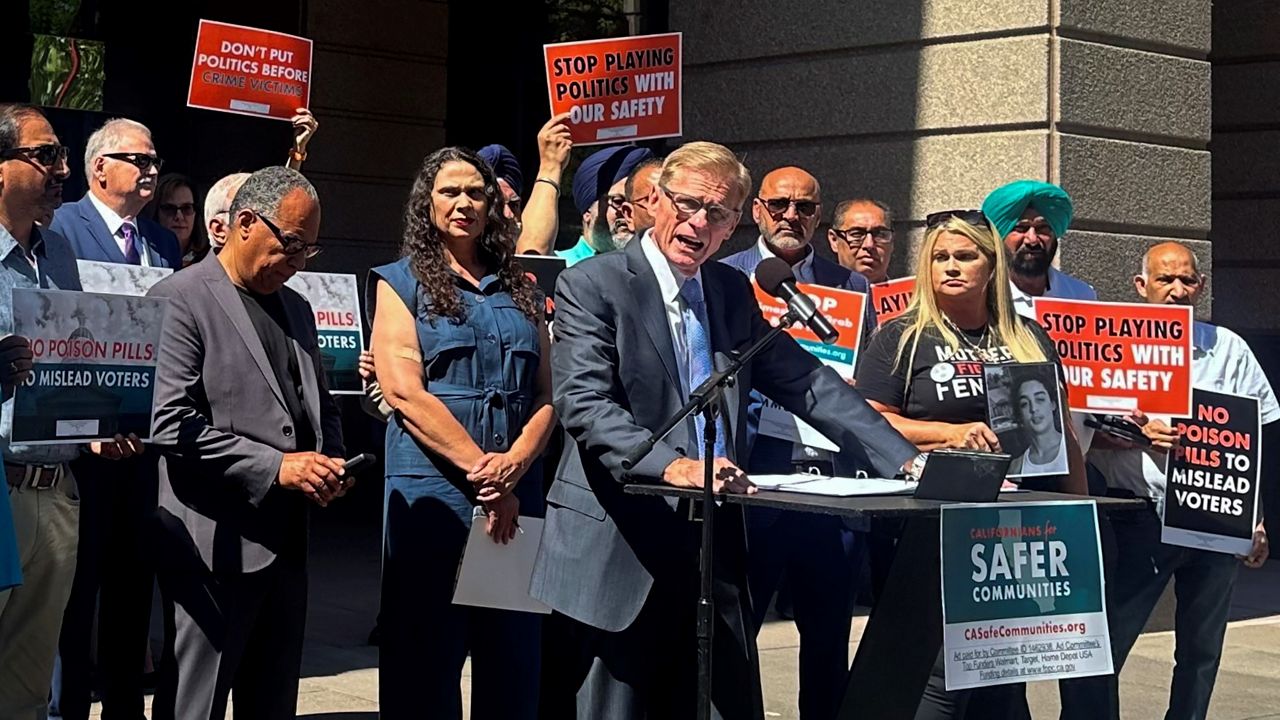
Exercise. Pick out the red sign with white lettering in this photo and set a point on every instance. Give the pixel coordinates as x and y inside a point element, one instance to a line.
<point>247,71</point>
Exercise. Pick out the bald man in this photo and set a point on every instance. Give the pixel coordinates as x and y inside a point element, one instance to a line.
<point>636,209</point>
<point>816,553</point>
<point>1221,362</point>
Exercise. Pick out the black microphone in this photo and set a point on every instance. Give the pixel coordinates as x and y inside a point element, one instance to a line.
<point>774,276</point>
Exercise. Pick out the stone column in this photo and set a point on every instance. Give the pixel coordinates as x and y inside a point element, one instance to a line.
<point>929,104</point>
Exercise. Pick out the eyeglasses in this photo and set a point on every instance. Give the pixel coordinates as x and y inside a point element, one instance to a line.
<point>142,161</point>
<point>855,236</point>
<point>973,217</point>
<point>184,208</point>
<point>778,206</point>
<point>687,206</point>
<point>616,201</point>
<point>47,155</point>
<point>292,245</point>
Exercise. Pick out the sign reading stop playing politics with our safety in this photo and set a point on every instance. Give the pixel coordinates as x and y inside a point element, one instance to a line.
<point>248,71</point>
<point>617,90</point>
<point>1119,357</point>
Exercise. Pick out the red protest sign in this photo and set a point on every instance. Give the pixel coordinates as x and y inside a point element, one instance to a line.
<point>891,298</point>
<point>247,71</point>
<point>844,308</point>
<point>1121,356</point>
<point>617,90</point>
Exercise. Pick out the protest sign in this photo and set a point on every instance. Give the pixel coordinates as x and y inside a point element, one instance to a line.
<point>618,89</point>
<point>339,326</point>
<point>844,308</point>
<point>891,298</point>
<point>544,270</point>
<point>94,365</point>
<point>1022,593</point>
<point>247,71</point>
<point>119,278</point>
<point>1122,356</point>
<point>1211,481</point>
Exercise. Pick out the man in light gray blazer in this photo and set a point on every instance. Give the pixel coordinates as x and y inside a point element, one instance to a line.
<point>635,330</point>
<point>248,434</point>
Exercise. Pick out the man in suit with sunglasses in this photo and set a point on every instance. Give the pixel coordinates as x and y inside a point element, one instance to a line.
<point>114,559</point>
<point>816,554</point>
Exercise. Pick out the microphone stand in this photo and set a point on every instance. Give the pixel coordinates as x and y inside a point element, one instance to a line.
<point>705,400</point>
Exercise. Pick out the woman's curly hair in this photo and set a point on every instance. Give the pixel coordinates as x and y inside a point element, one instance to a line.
<point>424,245</point>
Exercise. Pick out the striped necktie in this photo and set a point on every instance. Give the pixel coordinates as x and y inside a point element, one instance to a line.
<point>698,344</point>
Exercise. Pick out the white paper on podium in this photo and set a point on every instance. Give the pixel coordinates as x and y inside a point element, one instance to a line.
<point>834,486</point>
<point>494,575</point>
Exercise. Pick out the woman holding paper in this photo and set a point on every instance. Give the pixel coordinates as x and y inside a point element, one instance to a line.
<point>462,356</point>
<point>924,372</point>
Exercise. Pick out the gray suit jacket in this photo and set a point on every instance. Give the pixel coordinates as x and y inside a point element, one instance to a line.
<point>615,378</point>
<point>222,426</point>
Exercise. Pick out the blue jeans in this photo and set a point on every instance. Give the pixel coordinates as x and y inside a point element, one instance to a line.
<point>1202,583</point>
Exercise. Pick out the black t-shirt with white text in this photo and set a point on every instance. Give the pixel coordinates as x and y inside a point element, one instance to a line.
<point>946,385</point>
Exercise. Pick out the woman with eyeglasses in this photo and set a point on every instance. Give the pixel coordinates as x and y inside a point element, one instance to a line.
<point>174,207</point>
<point>463,358</point>
<point>923,371</point>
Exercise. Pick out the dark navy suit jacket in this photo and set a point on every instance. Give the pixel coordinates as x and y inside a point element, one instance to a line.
<point>82,225</point>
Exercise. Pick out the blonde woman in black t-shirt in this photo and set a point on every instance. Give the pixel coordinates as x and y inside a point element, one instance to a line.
<point>924,372</point>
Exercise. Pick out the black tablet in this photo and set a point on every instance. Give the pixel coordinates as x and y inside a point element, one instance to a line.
<point>963,475</point>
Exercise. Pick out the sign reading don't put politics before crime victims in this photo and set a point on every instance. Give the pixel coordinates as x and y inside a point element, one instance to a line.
<point>94,365</point>
<point>617,89</point>
<point>1119,357</point>
<point>335,303</point>
<point>248,71</point>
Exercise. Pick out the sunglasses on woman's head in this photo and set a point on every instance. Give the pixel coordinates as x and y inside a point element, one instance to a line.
<point>973,217</point>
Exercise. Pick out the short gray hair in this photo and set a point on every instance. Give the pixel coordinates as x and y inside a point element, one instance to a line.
<point>219,197</point>
<point>111,133</point>
<point>263,190</point>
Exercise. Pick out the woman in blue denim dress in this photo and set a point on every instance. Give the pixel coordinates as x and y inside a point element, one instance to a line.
<point>463,357</point>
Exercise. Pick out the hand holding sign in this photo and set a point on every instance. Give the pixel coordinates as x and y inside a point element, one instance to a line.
<point>1261,549</point>
<point>15,361</point>
<point>554,143</point>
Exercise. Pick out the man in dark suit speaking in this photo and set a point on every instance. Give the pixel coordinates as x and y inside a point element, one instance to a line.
<point>248,434</point>
<point>635,330</point>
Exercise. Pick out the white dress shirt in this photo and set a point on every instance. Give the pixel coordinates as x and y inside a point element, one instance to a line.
<point>670,280</point>
<point>114,223</point>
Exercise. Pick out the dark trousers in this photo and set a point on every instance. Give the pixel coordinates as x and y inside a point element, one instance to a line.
<point>115,570</point>
<point>426,638</point>
<point>818,556</point>
<point>649,670</point>
<point>1202,583</point>
<point>236,633</point>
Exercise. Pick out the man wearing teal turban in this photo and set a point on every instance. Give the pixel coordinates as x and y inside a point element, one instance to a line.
<point>1032,216</point>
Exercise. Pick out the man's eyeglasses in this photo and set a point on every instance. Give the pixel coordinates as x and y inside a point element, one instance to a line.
<point>778,206</point>
<point>855,236</point>
<point>142,161</point>
<point>973,217</point>
<point>47,155</point>
<point>687,206</point>
<point>184,208</point>
<point>616,201</point>
<point>292,245</point>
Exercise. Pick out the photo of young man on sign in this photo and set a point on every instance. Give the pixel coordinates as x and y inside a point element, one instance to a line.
<point>1024,409</point>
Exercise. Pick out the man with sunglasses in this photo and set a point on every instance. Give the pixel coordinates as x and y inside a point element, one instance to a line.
<point>121,166</point>
<point>248,436</point>
<point>637,188</point>
<point>861,236</point>
<point>816,554</point>
<point>114,566</point>
<point>635,331</point>
<point>42,488</point>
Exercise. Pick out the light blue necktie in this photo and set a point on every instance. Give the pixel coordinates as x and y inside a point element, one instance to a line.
<point>698,343</point>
